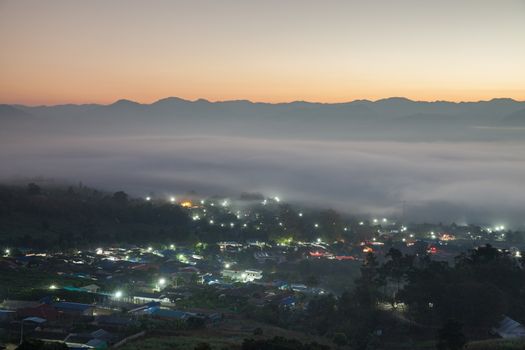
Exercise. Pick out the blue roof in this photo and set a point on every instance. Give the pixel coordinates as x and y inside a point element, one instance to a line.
<point>72,306</point>
<point>176,314</point>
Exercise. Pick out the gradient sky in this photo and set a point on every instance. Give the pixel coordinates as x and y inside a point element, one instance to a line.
<point>77,51</point>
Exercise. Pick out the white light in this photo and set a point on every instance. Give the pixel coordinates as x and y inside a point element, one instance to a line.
<point>148,198</point>
<point>301,214</point>
<point>385,220</point>
<point>375,220</point>
<point>361,223</point>
<point>100,251</point>
<point>172,246</point>
<point>118,294</point>
<point>316,225</point>
<point>150,249</point>
<point>172,199</point>
<point>52,287</point>
<point>232,224</point>
<point>211,222</point>
<point>202,202</point>
<point>277,199</point>
<point>318,240</point>
<point>225,203</point>
<point>162,281</point>
<point>227,266</point>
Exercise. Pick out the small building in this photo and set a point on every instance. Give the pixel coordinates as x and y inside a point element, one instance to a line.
<point>242,275</point>
<point>74,309</point>
<point>91,288</point>
<point>508,329</point>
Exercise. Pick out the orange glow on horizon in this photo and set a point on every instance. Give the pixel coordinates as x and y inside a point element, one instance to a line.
<point>338,51</point>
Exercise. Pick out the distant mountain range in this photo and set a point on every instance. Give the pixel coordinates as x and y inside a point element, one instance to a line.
<point>392,118</point>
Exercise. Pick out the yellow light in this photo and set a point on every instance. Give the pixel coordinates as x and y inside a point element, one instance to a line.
<point>186,204</point>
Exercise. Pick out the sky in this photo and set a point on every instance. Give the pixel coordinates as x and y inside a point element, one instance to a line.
<point>99,51</point>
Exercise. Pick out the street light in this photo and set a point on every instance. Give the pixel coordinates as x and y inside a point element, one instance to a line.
<point>118,294</point>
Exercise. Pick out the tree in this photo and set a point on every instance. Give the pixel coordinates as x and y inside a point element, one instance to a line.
<point>120,197</point>
<point>33,189</point>
<point>340,339</point>
<point>451,337</point>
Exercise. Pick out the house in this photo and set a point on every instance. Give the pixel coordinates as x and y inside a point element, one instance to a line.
<point>91,288</point>
<point>7,315</point>
<point>43,311</point>
<point>74,309</point>
<point>242,276</point>
<point>263,257</point>
<point>508,329</point>
<point>143,298</point>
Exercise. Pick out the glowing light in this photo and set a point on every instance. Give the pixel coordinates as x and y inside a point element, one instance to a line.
<point>319,240</point>
<point>276,199</point>
<point>361,223</point>
<point>186,204</point>
<point>232,224</point>
<point>100,251</point>
<point>148,198</point>
<point>225,203</point>
<point>211,222</point>
<point>375,221</point>
<point>316,225</point>
<point>227,266</point>
<point>385,220</point>
<point>162,281</point>
<point>7,251</point>
<point>118,294</point>
<point>172,199</point>
<point>172,246</point>
<point>202,202</point>
<point>301,214</point>
<point>52,287</point>
<point>150,249</point>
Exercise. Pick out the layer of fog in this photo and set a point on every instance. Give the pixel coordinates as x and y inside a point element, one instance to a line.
<point>464,182</point>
